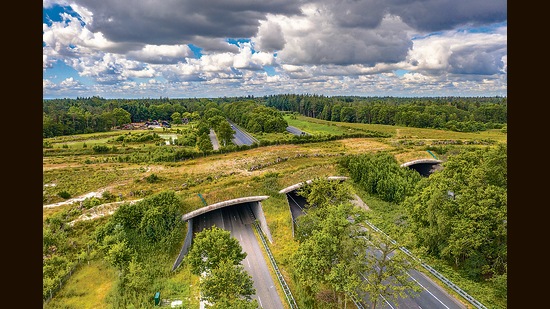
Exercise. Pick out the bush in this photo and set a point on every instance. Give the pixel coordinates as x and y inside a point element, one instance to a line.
<point>152,178</point>
<point>64,194</point>
<point>100,148</point>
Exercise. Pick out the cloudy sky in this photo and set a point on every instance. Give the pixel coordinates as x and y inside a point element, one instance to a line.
<point>216,48</point>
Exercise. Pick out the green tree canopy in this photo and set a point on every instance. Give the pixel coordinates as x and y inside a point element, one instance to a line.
<point>460,213</point>
<point>227,283</point>
<point>210,247</point>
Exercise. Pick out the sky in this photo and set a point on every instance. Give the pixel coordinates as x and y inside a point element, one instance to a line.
<point>217,48</point>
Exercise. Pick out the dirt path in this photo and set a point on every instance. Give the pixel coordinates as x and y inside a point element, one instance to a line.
<point>101,211</point>
<point>81,198</point>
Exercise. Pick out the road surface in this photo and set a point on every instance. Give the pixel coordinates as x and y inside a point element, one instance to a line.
<point>432,295</point>
<point>214,140</point>
<point>241,137</point>
<point>238,219</point>
<point>296,131</point>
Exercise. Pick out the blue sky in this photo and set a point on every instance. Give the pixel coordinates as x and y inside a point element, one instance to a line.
<point>213,48</point>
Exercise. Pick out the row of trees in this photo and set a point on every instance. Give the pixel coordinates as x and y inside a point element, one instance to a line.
<point>86,115</point>
<point>459,214</point>
<point>380,175</point>
<point>135,241</point>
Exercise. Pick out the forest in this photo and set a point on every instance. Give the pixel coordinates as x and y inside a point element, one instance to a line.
<point>96,114</point>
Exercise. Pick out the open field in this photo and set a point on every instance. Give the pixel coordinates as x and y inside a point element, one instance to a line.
<point>219,177</point>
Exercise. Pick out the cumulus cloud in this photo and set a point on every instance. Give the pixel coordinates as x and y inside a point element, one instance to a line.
<point>422,15</point>
<point>314,46</point>
<point>181,20</point>
<point>270,37</point>
<point>460,52</point>
<point>159,54</point>
<point>317,39</point>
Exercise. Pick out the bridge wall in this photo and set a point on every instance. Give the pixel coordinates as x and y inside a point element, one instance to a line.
<point>259,214</point>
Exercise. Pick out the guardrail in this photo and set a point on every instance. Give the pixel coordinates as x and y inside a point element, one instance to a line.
<point>286,289</point>
<point>448,282</point>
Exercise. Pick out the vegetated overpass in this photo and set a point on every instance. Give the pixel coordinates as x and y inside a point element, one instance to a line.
<point>252,201</point>
<point>294,200</point>
<point>424,167</point>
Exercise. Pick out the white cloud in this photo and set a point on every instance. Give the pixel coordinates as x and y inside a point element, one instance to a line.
<point>161,53</point>
<point>460,52</point>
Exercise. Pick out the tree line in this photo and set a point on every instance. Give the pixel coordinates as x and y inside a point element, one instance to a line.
<point>464,114</point>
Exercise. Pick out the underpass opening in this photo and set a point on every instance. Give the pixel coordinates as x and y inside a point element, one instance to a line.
<point>251,205</point>
<point>239,217</point>
<point>296,202</point>
<point>426,169</point>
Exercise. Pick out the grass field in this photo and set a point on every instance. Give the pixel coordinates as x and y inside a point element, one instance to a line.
<point>219,177</point>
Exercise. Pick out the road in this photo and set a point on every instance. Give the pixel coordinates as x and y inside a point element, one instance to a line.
<point>296,131</point>
<point>238,221</point>
<point>241,137</point>
<point>214,140</point>
<point>432,295</point>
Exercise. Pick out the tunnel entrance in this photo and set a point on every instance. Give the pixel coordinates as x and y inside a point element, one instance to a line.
<point>426,169</point>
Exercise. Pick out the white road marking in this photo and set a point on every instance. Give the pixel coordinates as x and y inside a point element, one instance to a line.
<point>428,291</point>
<point>248,263</point>
<point>260,300</point>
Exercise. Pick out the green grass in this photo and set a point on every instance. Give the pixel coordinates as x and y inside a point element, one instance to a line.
<point>319,126</point>
<point>87,288</point>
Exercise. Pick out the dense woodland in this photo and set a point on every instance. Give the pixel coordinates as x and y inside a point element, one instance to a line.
<point>95,114</point>
<point>465,114</point>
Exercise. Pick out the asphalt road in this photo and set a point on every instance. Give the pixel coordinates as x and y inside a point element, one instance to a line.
<point>214,140</point>
<point>240,137</point>
<point>296,131</point>
<point>432,295</point>
<point>238,221</point>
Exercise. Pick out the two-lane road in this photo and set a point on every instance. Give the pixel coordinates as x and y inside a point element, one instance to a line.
<point>238,221</point>
<point>241,137</point>
<point>432,295</point>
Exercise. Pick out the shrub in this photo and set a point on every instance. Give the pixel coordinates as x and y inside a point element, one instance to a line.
<point>100,148</point>
<point>152,178</point>
<point>64,194</point>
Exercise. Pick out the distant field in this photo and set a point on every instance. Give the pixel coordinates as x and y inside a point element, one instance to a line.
<point>318,126</point>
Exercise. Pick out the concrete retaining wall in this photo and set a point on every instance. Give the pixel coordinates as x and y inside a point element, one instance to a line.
<point>259,214</point>
<point>186,244</point>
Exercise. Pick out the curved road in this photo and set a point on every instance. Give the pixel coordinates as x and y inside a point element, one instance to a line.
<point>432,295</point>
<point>238,219</point>
<point>296,131</point>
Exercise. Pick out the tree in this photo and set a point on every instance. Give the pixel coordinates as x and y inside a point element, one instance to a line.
<point>460,213</point>
<point>203,143</point>
<point>387,275</point>
<point>226,283</point>
<point>321,192</point>
<point>225,132</point>
<point>119,117</point>
<point>210,247</point>
<point>332,252</point>
<point>176,117</point>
